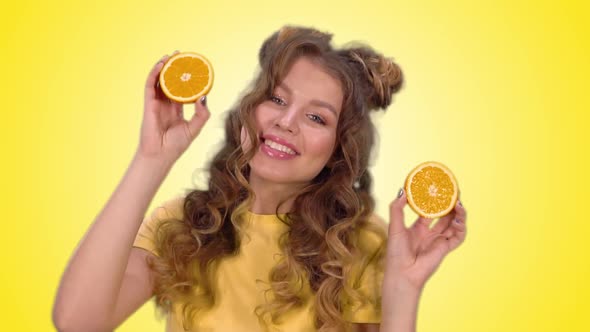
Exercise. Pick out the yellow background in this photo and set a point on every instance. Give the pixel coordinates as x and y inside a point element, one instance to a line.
<point>494,89</point>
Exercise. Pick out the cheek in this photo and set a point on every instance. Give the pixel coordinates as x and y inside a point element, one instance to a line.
<point>258,123</point>
<point>323,146</point>
<point>244,139</point>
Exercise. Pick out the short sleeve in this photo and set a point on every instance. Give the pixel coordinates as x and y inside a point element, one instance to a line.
<point>372,241</point>
<point>145,238</point>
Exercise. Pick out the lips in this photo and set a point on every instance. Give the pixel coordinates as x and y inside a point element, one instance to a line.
<point>279,140</point>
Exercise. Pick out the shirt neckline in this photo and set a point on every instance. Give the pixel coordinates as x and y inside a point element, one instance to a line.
<point>269,217</point>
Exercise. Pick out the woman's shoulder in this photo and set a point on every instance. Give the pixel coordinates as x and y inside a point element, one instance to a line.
<point>171,208</point>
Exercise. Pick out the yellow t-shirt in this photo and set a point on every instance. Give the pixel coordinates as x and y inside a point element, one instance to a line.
<point>237,278</point>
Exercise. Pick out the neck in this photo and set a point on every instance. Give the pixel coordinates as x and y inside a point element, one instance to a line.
<point>269,195</point>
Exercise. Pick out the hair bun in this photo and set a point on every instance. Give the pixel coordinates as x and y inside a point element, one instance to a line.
<point>383,76</point>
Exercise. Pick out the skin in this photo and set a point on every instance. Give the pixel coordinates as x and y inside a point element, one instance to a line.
<point>413,253</point>
<point>303,110</point>
<point>122,283</point>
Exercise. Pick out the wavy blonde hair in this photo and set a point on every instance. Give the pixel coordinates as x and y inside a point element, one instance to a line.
<point>321,246</point>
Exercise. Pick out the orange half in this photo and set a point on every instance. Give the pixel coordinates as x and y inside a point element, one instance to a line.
<point>186,77</point>
<point>431,189</point>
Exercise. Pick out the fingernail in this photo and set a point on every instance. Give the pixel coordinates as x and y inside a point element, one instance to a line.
<point>204,100</point>
<point>460,203</point>
<point>457,221</point>
<point>400,193</point>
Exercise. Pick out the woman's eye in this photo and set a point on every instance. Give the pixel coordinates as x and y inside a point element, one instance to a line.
<point>317,119</point>
<point>277,100</point>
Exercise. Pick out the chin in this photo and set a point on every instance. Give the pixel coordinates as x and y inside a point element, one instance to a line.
<point>274,176</point>
<point>269,173</point>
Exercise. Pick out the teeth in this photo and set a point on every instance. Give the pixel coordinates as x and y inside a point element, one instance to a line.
<point>278,146</point>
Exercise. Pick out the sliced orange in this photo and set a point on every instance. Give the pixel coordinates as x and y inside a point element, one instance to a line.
<point>431,189</point>
<point>186,77</point>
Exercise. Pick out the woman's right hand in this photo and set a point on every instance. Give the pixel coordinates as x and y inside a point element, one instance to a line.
<point>165,134</point>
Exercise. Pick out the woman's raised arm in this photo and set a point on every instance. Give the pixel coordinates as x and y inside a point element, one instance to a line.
<point>106,279</point>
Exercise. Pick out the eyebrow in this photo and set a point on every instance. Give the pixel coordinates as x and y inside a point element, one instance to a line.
<point>314,101</point>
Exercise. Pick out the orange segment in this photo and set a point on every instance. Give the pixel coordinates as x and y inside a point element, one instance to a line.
<point>186,77</point>
<point>431,189</point>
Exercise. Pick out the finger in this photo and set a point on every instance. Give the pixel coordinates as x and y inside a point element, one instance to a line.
<point>153,80</point>
<point>458,237</point>
<point>457,230</point>
<point>441,225</point>
<point>460,226</point>
<point>437,250</point>
<point>454,235</point>
<point>443,222</point>
<point>199,118</point>
<point>153,77</point>
<point>396,213</point>
<point>422,222</point>
<point>421,227</point>
<point>178,108</point>
<point>420,232</point>
<point>460,212</point>
<point>447,219</point>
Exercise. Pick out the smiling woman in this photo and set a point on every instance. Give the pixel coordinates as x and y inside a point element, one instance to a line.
<point>297,127</point>
<point>285,236</point>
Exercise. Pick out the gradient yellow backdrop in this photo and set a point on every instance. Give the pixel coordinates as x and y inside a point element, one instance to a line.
<point>494,89</point>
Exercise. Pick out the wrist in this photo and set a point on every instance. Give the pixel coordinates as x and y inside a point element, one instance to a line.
<point>403,286</point>
<point>150,169</point>
<point>399,306</point>
<point>152,162</point>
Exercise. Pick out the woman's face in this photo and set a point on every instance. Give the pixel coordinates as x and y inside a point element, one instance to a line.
<point>296,126</point>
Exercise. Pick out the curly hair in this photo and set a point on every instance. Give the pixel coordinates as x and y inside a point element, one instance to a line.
<point>321,247</point>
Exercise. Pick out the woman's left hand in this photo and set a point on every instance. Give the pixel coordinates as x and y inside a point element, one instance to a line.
<point>414,253</point>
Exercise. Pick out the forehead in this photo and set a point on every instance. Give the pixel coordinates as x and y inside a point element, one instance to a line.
<point>309,80</point>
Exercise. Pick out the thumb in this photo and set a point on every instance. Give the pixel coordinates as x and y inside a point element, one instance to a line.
<point>396,213</point>
<point>199,118</point>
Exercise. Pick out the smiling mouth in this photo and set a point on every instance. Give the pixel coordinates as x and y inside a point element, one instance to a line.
<point>277,146</point>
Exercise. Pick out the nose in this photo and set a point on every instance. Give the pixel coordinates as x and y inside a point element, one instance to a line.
<point>287,120</point>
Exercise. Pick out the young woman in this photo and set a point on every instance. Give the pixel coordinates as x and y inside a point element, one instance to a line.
<point>285,237</point>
